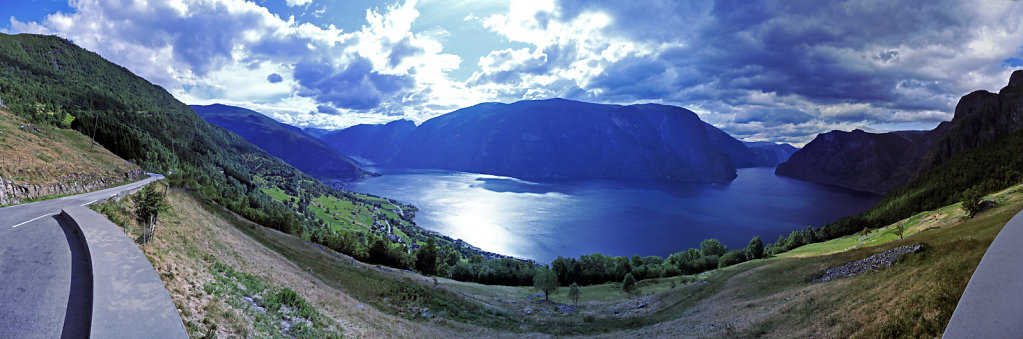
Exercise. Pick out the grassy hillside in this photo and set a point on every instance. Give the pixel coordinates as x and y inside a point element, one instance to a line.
<point>41,154</point>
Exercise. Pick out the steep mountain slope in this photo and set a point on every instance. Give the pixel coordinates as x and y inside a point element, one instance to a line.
<point>283,141</point>
<point>771,154</point>
<point>375,142</point>
<point>881,163</point>
<point>741,156</point>
<point>560,138</point>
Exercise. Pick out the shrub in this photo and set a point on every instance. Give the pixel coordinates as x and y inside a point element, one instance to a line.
<point>732,258</point>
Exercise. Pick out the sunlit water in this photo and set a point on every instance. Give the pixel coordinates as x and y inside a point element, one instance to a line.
<point>543,220</point>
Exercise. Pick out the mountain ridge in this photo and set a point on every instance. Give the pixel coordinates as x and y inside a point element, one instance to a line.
<point>291,144</point>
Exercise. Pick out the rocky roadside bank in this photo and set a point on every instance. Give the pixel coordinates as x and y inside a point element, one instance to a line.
<point>12,192</point>
<point>871,263</point>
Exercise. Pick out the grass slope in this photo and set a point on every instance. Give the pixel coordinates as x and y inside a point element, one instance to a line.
<point>47,155</point>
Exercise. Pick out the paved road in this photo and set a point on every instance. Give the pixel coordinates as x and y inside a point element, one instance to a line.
<point>992,304</point>
<point>45,290</point>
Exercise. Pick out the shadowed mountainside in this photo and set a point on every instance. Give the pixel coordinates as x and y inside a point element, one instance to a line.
<point>289,143</point>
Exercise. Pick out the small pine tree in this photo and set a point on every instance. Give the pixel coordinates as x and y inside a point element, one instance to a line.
<point>573,292</point>
<point>629,285</point>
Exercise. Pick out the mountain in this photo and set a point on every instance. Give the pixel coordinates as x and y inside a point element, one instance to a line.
<point>560,138</point>
<point>857,159</point>
<point>316,132</point>
<point>375,142</point>
<point>881,163</point>
<point>771,154</point>
<point>289,143</point>
<point>740,155</point>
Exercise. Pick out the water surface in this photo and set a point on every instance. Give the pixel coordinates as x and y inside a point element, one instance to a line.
<point>545,219</point>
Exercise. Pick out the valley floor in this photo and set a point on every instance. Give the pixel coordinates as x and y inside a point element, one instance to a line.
<point>769,297</point>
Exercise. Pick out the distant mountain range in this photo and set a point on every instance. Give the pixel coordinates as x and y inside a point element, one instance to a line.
<point>560,138</point>
<point>291,144</point>
<point>883,162</point>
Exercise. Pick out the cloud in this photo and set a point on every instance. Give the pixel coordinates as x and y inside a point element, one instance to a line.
<point>327,109</point>
<point>297,3</point>
<point>356,87</point>
<point>779,70</point>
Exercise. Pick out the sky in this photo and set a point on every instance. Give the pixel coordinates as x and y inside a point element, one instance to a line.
<point>762,70</point>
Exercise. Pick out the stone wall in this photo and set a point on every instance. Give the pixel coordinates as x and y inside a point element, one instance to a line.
<point>12,192</point>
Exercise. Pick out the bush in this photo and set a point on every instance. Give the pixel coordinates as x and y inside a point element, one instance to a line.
<point>732,258</point>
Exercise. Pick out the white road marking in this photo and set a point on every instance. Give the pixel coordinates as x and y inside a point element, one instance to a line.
<point>90,202</point>
<point>34,219</point>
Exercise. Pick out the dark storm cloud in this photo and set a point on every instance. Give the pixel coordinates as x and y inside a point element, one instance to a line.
<point>820,52</point>
<point>274,78</point>
<point>356,87</point>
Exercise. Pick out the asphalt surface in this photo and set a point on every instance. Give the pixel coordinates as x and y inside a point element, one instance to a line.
<point>992,304</point>
<point>45,287</point>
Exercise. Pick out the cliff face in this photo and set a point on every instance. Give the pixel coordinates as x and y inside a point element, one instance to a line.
<point>881,162</point>
<point>12,192</point>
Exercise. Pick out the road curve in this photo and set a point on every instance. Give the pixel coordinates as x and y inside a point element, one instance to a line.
<point>992,304</point>
<point>45,287</point>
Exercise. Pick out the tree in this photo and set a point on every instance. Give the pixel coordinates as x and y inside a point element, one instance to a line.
<point>573,292</point>
<point>709,247</point>
<point>755,249</point>
<point>629,284</point>
<point>426,258</point>
<point>453,258</point>
<point>900,230</point>
<point>971,201</point>
<point>546,281</point>
<point>149,202</point>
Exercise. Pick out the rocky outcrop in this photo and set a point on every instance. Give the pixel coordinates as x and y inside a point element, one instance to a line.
<point>871,263</point>
<point>12,192</point>
<point>880,163</point>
